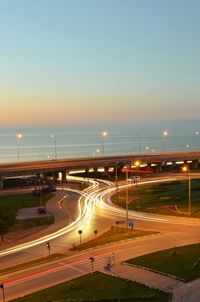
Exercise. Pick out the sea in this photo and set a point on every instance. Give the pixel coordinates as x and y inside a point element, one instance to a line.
<point>62,142</point>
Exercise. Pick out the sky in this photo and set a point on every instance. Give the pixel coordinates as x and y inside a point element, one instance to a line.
<point>87,62</point>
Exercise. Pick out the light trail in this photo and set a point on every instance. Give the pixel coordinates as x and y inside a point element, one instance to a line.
<point>86,205</point>
<point>58,267</point>
<point>111,209</point>
<point>93,199</point>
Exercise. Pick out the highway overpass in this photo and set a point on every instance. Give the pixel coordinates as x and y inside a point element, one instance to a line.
<point>64,166</point>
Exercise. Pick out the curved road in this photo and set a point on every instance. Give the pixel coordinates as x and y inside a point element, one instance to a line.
<point>95,214</point>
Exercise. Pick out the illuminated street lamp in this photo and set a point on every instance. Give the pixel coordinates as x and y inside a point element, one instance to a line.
<point>137,164</point>
<point>103,135</point>
<point>187,169</point>
<point>18,137</point>
<point>139,142</point>
<point>164,134</point>
<point>116,176</point>
<point>127,199</point>
<point>55,145</point>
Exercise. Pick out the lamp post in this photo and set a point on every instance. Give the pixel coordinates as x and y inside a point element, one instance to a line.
<point>55,145</point>
<point>127,199</point>
<point>139,142</point>
<point>116,176</point>
<point>137,164</point>
<point>165,134</point>
<point>187,169</point>
<point>103,135</point>
<point>18,137</point>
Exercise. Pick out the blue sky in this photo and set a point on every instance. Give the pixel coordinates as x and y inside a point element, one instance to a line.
<point>98,62</point>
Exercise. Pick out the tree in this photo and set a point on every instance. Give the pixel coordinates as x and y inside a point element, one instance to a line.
<point>7,218</point>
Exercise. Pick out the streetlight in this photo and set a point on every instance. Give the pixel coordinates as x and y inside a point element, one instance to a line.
<point>116,176</point>
<point>18,137</point>
<point>187,169</point>
<point>127,199</point>
<point>97,151</point>
<point>137,164</point>
<point>165,134</point>
<point>55,145</point>
<point>139,142</point>
<point>103,135</point>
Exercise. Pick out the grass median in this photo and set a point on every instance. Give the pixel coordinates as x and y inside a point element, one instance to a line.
<point>168,198</point>
<point>182,262</point>
<point>113,235</point>
<point>97,287</point>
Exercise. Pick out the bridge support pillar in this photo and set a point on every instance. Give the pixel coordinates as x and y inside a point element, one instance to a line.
<point>44,177</point>
<point>106,170</point>
<point>195,164</point>
<point>149,167</point>
<point>64,175</point>
<point>1,182</point>
<point>95,169</point>
<point>55,177</point>
<point>159,167</point>
<point>173,166</point>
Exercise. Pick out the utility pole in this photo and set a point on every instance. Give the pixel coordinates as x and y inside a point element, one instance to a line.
<point>127,199</point>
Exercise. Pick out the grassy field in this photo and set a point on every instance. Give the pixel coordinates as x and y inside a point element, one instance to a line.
<point>34,222</point>
<point>183,262</point>
<point>16,202</point>
<point>20,201</point>
<point>112,235</point>
<point>169,198</point>
<point>97,287</point>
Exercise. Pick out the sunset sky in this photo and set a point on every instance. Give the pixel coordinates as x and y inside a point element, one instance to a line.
<point>69,62</point>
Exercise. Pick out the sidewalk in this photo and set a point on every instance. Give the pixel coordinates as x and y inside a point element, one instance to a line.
<point>181,291</point>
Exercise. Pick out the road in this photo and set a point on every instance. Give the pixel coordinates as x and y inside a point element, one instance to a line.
<point>34,279</point>
<point>173,232</point>
<point>34,167</point>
